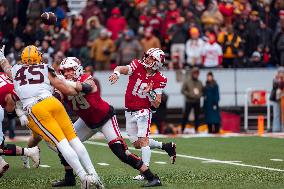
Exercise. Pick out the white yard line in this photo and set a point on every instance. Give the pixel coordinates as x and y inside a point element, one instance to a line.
<point>276,159</point>
<point>197,158</point>
<point>45,166</point>
<point>160,162</point>
<point>103,164</point>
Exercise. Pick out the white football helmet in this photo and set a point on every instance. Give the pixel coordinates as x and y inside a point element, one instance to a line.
<point>158,55</point>
<point>74,63</point>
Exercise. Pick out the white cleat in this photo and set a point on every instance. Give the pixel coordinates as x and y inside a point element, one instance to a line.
<point>97,181</point>
<point>138,177</point>
<point>91,181</point>
<point>33,153</point>
<point>4,166</point>
<point>26,162</point>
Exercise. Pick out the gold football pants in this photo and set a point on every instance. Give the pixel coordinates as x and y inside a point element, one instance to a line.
<point>49,119</point>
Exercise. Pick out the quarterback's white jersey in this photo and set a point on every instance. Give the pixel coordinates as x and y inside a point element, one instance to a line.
<point>31,83</point>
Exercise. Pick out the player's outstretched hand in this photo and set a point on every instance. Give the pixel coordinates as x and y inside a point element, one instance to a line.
<point>2,56</point>
<point>113,78</point>
<point>149,87</point>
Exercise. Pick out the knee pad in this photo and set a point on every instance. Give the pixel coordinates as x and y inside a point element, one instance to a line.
<point>9,150</point>
<point>62,159</point>
<point>119,148</point>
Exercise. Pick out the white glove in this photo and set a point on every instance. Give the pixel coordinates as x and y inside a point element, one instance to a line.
<point>24,120</point>
<point>2,56</point>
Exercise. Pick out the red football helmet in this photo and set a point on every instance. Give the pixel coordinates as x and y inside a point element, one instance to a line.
<point>154,58</point>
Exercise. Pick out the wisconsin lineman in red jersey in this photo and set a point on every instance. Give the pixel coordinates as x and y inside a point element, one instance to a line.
<point>6,101</point>
<point>96,115</point>
<point>142,97</point>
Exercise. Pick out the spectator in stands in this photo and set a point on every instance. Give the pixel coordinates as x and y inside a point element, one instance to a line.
<point>241,60</point>
<point>47,51</point>
<point>116,23</point>
<point>171,18</point>
<point>131,14</point>
<point>256,60</point>
<point>211,53</point>
<point>85,54</point>
<point>128,49</point>
<point>4,21</point>
<point>16,51</point>
<point>94,28</point>
<point>149,40</point>
<point>264,35</point>
<point>278,41</point>
<point>28,35</point>
<point>92,9</point>
<point>192,89</point>
<point>155,21</point>
<point>35,9</point>
<point>193,48</point>
<point>211,104</point>
<point>79,36</point>
<point>230,43</point>
<point>178,35</point>
<point>226,7</point>
<point>212,16</point>
<point>57,59</point>
<point>251,37</point>
<point>275,98</point>
<point>56,10</point>
<point>101,51</point>
<point>15,31</point>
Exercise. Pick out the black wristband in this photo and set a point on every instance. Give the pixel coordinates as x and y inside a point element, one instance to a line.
<point>86,88</point>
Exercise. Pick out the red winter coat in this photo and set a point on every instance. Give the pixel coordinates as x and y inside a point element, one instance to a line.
<point>116,25</point>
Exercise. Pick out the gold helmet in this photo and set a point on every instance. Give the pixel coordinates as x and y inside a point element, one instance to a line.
<point>31,55</point>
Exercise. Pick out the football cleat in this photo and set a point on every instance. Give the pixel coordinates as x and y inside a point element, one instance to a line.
<point>33,153</point>
<point>64,182</point>
<point>155,182</point>
<point>26,162</point>
<point>139,177</point>
<point>170,148</point>
<point>4,166</point>
<point>91,180</point>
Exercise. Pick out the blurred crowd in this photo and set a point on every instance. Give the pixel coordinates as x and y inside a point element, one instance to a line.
<point>106,33</point>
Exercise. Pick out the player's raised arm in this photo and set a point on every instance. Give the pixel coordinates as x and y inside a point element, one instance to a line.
<point>116,73</point>
<point>4,63</point>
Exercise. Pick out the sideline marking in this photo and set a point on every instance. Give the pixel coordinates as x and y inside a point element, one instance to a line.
<point>197,158</point>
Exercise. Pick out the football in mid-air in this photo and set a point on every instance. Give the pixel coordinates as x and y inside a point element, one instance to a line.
<point>48,18</point>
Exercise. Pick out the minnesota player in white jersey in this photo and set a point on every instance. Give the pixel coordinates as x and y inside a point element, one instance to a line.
<point>142,97</point>
<point>47,117</point>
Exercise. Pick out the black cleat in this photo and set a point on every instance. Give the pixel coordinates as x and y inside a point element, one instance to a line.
<point>170,148</point>
<point>64,182</point>
<point>155,182</point>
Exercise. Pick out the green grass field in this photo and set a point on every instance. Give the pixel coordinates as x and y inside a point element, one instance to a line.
<point>186,173</point>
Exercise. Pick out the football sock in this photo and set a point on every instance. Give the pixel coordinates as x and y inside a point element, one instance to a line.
<point>146,155</point>
<point>155,144</point>
<point>148,175</point>
<point>69,173</point>
<point>71,157</point>
<point>83,155</point>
